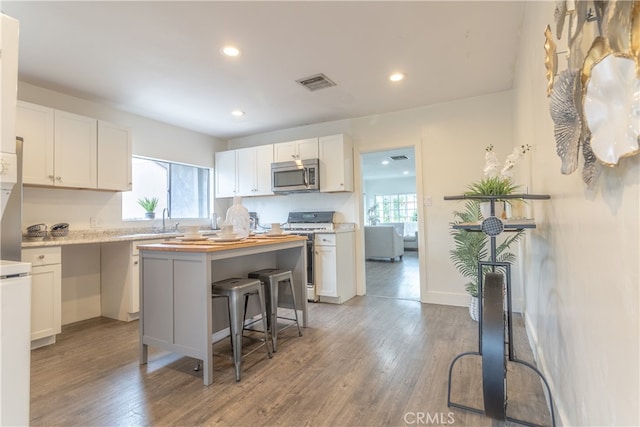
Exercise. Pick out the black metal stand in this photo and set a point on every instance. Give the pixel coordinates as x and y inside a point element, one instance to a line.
<point>493,320</point>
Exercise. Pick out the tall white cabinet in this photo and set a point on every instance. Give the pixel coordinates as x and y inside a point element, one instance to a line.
<point>336,163</point>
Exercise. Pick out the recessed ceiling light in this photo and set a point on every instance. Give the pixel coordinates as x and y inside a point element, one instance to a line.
<point>237,113</point>
<point>231,51</point>
<point>396,77</point>
<point>385,162</point>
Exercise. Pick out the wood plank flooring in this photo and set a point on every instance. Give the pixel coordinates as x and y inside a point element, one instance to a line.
<point>369,362</point>
<point>399,279</point>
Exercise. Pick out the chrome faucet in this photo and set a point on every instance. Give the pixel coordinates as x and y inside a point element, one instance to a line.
<point>165,211</point>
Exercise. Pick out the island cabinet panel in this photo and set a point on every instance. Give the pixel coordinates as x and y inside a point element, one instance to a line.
<point>157,306</point>
<point>187,332</point>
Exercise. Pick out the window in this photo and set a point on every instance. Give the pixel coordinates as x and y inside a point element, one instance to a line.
<point>397,207</point>
<point>183,189</point>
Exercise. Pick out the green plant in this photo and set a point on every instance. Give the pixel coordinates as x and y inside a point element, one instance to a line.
<point>491,186</point>
<point>472,246</point>
<point>148,204</point>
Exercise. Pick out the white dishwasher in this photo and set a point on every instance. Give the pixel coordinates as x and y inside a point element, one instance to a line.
<point>15,342</point>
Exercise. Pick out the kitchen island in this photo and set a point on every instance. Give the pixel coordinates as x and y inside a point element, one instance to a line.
<point>176,309</point>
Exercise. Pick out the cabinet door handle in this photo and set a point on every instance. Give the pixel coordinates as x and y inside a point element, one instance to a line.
<point>51,177</point>
<point>40,256</point>
<point>58,178</point>
<point>135,262</point>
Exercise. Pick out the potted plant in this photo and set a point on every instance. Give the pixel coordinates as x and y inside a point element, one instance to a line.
<point>496,182</point>
<point>472,247</point>
<point>149,204</point>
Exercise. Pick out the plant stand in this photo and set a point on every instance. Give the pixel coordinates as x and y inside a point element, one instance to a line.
<point>494,320</point>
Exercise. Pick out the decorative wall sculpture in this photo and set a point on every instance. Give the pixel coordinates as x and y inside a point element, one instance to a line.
<point>595,101</point>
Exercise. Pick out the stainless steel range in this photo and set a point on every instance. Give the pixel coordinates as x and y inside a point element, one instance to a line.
<point>306,224</point>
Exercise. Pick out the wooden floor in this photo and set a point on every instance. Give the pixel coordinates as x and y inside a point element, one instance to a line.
<point>399,279</point>
<point>369,362</point>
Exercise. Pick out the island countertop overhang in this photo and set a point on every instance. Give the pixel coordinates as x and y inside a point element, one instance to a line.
<point>212,246</point>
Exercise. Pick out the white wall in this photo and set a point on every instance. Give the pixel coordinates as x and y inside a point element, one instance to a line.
<point>449,141</point>
<point>581,269</point>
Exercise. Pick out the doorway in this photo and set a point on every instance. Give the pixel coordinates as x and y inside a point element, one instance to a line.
<point>390,201</point>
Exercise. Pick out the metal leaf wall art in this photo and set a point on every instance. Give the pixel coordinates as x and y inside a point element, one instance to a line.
<point>595,103</point>
<point>565,98</point>
<point>550,59</point>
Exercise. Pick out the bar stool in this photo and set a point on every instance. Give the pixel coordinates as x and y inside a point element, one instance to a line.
<point>272,277</point>
<point>238,291</point>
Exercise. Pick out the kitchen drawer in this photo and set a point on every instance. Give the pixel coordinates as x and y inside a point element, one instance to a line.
<point>42,256</point>
<point>325,239</point>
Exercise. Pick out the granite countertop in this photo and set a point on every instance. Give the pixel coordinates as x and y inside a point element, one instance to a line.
<point>79,237</point>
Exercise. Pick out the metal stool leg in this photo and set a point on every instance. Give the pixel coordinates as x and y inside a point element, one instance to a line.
<point>273,290</point>
<point>295,306</point>
<point>236,305</point>
<point>263,312</point>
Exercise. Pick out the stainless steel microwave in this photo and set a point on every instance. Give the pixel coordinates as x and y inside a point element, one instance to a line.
<point>297,176</point>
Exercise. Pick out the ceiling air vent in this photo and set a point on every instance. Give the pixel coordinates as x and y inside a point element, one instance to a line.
<point>400,157</point>
<point>316,82</point>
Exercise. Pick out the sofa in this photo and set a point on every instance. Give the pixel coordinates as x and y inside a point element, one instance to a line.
<point>384,241</point>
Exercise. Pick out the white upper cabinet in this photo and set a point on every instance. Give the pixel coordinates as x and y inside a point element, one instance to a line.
<point>76,150</point>
<point>336,163</point>
<point>34,123</point>
<point>114,157</point>
<point>225,173</point>
<point>65,150</point>
<point>296,150</point>
<point>254,170</point>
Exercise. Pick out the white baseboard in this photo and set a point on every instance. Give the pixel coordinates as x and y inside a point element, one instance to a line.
<point>447,298</point>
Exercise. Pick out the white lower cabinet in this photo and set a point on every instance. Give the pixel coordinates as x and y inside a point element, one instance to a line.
<point>46,294</point>
<point>334,266</point>
<point>120,280</point>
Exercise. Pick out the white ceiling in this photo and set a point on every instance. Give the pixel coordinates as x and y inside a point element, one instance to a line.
<point>161,59</point>
<point>373,168</point>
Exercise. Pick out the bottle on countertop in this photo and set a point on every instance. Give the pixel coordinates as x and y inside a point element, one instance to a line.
<point>238,216</point>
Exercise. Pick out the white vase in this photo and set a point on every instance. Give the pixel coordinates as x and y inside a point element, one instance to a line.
<point>485,209</point>
<point>474,308</point>
<point>238,216</point>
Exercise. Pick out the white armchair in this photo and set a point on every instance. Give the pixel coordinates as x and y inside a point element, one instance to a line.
<point>384,241</point>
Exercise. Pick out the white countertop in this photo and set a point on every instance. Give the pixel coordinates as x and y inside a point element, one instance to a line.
<point>104,236</point>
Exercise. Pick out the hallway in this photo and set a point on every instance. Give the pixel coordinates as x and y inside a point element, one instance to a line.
<point>400,279</point>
